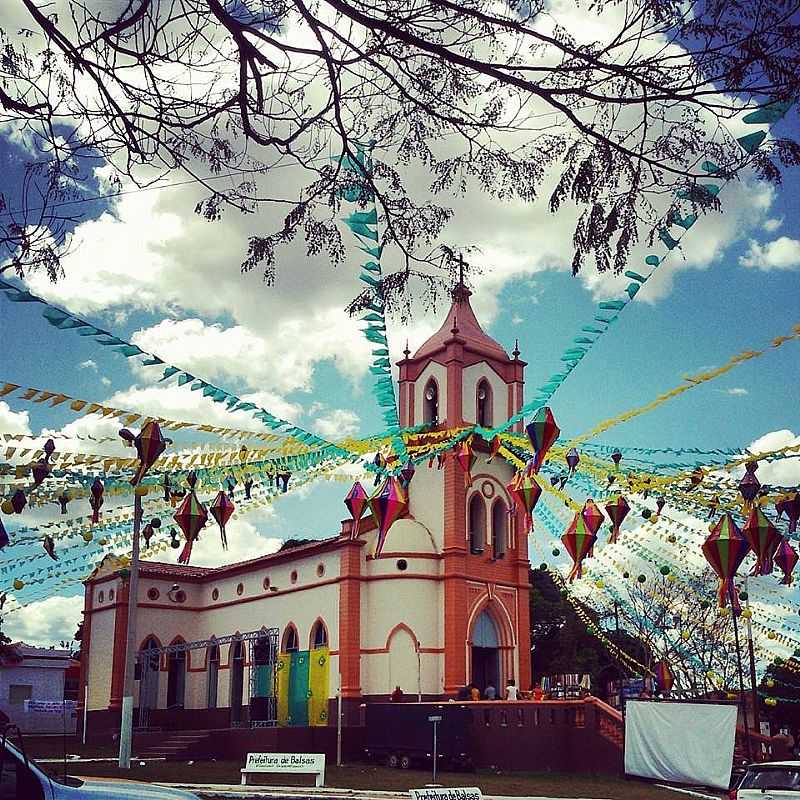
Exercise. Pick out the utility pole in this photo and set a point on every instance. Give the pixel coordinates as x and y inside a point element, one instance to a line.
<point>753,678</point>
<point>150,444</point>
<point>126,723</point>
<point>742,703</point>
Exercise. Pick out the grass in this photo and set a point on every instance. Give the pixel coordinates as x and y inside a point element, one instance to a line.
<point>365,776</point>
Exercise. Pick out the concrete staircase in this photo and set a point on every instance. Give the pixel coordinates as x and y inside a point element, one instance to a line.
<point>178,746</point>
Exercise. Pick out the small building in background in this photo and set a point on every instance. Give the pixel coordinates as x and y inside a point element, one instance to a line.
<point>38,674</point>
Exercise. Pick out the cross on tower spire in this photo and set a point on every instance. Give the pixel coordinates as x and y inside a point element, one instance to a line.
<point>460,292</point>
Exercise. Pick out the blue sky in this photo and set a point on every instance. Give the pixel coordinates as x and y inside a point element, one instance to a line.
<point>314,369</point>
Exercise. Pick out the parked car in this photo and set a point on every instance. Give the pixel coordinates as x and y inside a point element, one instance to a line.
<point>21,778</point>
<point>771,780</point>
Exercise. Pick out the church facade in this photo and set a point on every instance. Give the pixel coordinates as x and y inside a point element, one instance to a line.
<point>446,604</point>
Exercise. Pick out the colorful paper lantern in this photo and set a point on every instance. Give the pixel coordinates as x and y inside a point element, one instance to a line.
<point>542,433</point>
<point>18,501</point>
<point>763,538</point>
<point>786,559</point>
<point>578,540</point>
<point>388,504</point>
<point>790,506</point>
<point>407,472</point>
<point>572,458</point>
<point>725,549</point>
<point>749,485</point>
<point>96,500</point>
<point>617,510</point>
<point>356,501</point>
<point>494,448</point>
<point>222,509</point>
<point>40,470</point>
<point>191,518</point>
<point>466,458</point>
<point>525,493</point>
<point>49,545</point>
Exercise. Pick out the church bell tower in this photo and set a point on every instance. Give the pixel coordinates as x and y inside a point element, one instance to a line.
<point>461,376</point>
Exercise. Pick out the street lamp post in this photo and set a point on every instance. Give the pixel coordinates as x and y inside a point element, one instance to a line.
<point>751,653</point>
<point>126,724</point>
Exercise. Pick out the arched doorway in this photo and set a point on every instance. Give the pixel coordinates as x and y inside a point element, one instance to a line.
<point>176,679</point>
<point>485,653</point>
<point>148,669</point>
<point>237,681</point>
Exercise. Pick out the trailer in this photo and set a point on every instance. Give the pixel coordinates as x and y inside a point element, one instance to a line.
<point>401,734</point>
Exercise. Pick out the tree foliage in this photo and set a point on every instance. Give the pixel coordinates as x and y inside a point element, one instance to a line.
<point>679,624</point>
<point>781,681</point>
<point>561,642</point>
<point>512,99</point>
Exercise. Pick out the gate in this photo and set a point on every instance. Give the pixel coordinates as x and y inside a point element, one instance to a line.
<point>262,646</point>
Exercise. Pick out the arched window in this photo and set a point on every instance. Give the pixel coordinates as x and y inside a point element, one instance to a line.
<point>319,635</point>
<point>291,642</point>
<point>213,676</point>
<point>484,404</point>
<point>499,528</point>
<point>430,403</point>
<point>477,523</point>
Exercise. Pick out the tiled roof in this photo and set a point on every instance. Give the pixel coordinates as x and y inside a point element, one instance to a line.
<point>188,571</point>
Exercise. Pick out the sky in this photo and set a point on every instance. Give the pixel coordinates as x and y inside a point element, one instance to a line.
<point>146,268</point>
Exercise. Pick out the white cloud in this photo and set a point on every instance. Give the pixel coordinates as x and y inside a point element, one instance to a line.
<point>88,364</point>
<point>737,391</point>
<point>772,224</point>
<point>244,542</point>
<point>13,421</point>
<point>171,402</point>
<point>284,360</point>
<point>782,253</point>
<point>784,472</point>
<point>337,423</point>
<point>45,622</point>
<point>105,381</point>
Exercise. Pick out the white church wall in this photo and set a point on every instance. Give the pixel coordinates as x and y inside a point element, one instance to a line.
<point>301,607</point>
<point>101,654</point>
<point>426,494</point>
<point>383,617</point>
<point>471,375</point>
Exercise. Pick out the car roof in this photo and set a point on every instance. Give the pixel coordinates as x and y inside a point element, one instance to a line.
<point>768,764</point>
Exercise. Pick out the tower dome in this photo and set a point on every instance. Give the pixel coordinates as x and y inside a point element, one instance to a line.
<point>462,322</point>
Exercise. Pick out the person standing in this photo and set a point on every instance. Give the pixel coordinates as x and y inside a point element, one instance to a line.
<point>491,692</point>
<point>397,695</point>
<point>512,693</point>
<point>474,692</point>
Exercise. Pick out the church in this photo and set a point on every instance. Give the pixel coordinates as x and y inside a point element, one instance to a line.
<point>446,604</point>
